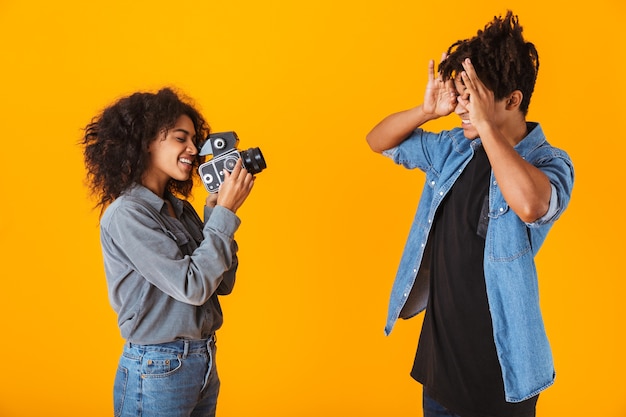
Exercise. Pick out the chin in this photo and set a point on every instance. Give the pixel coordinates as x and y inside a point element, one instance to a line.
<point>470,133</point>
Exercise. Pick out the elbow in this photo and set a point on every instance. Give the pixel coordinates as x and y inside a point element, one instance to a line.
<point>532,212</point>
<point>373,143</point>
<point>224,290</point>
<point>199,298</point>
<point>227,284</point>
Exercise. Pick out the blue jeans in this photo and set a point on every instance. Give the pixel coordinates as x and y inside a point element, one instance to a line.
<point>176,379</point>
<point>433,409</point>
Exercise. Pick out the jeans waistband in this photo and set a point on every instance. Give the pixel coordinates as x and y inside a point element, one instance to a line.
<point>182,346</point>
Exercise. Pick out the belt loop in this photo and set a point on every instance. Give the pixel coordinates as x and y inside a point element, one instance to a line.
<point>186,349</point>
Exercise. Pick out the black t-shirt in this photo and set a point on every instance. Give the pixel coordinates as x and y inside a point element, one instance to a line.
<point>456,358</point>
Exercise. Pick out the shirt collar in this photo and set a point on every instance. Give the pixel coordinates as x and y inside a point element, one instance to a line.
<point>143,193</point>
<point>532,141</point>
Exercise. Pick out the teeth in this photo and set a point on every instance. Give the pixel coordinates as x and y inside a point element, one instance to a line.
<point>185,161</point>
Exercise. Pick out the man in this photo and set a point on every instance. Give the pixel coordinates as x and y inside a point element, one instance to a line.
<point>494,187</point>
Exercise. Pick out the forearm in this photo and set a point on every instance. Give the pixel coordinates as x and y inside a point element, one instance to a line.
<point>196,277</point>
<point>395,128</point>
<point>525,187</point>
<point>133,239</point>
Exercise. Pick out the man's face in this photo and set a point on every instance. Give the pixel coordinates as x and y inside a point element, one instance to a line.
<point>498,115</point>
<point>469,130</point>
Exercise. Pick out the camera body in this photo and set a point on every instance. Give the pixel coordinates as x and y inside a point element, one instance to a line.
<point>223,147</point>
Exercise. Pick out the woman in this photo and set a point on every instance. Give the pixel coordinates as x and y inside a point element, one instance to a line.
<point>164,266</point>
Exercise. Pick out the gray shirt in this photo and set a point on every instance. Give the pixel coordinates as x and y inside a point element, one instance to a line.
<point>164,273</point>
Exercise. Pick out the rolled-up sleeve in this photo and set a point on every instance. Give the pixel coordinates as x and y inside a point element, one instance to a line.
<point>560,171</point>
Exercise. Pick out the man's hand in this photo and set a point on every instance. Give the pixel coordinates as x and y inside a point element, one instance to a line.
<point>440,95</point>
<point>439,101</point>
<point>478,99</point>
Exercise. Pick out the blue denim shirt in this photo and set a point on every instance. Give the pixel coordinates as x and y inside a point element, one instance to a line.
<point>510,246</point>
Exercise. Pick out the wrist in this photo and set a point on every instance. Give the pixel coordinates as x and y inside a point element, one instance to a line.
<point>424,116</point>
<point>229,207</point>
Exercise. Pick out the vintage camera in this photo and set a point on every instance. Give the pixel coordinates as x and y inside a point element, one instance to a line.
<point>223,147</point>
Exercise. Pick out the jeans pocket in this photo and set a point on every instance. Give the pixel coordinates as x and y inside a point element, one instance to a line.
<point>160,365</point>
<point>119,390</point>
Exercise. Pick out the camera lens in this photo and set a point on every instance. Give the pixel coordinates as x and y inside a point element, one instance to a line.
<point>253,160</point>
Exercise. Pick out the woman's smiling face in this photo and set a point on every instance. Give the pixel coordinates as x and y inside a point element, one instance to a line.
<point>171,156</point>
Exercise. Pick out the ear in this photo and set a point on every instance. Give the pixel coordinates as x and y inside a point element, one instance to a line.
<point>514,100</point>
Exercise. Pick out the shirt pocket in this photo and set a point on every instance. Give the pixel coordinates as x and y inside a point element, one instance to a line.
<point>507,236</point>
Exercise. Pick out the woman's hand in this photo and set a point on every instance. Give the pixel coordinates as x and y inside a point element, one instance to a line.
<point>211,200</point>
<point>235,188</point>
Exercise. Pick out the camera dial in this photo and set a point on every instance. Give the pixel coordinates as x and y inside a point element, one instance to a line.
<point>207,178</point>
<point>230,162</point>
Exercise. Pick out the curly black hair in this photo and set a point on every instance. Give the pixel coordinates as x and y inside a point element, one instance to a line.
<point>503,60</point>
<point>116,141</point>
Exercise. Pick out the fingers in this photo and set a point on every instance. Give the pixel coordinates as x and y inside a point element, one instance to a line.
<point>236,170</point>
<point>236,187</point>
<point>211,200</point>
<point>238,175</point>
<point>463,100</point>
<point>431,70</point>
<point>470,79</point>
<point>431,66</point>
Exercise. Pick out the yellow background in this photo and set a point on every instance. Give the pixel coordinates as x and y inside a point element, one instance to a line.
<point>323,231</point>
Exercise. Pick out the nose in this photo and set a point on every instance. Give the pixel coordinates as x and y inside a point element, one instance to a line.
<point>460,108</point>
<point>192,149</point>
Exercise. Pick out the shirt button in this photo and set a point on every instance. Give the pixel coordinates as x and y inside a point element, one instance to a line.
<point>440,192</point>
<point>495,182</point>
<point>501,209</point>
<point>432,183</point>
